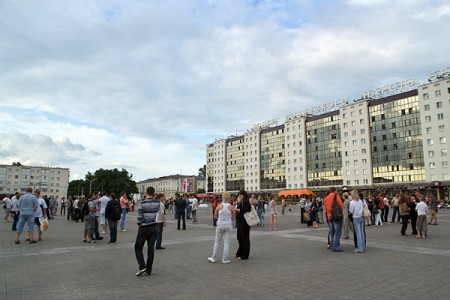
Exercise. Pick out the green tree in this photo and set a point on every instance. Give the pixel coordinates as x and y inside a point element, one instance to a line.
<point>103,180</point>
<point>202,171</point>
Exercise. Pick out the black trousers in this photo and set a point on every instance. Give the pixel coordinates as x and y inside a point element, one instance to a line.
<point>413,218</point>
<point>243,237</point>
<point>386,213</point>
<point>404,224</point>
<point>159,228</point>
<point>145,234</point>
<point>181,214</point>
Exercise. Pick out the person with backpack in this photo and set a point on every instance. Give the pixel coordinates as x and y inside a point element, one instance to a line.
<point>335,216</point>
<point>113,213</point>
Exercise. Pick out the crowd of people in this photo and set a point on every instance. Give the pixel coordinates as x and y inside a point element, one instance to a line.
<point>349,212</point>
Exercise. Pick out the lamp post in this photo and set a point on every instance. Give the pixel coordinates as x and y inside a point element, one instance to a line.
<point>90,185</point>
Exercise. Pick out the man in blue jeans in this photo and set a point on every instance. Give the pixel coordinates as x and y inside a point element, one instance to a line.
<point>335,225</point>
<point>147,231</point>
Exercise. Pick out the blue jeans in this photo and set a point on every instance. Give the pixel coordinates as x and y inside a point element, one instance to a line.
<point>26,216</point>
<point>122,220</point>
<point>261,217</point>
<point>334,235</point>
<point>112,231</point>
<point>358,224</point>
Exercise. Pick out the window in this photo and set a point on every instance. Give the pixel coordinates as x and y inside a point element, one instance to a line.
<point>430,153</point>
<point>353,123</point>
<point>355,152</point>
<point>363,141</point>
<point>363,131</point>
<point>445,164</point>
<point>352,113</point>
<point>437,93</point>
<point>443,140</point>
<point>439,104</point>
<point>361,122</point>
<point>360,111</point>
<point>426,107</point>
<point>427,118</point>
<point>432,165</point>
<point>429,130</point>
<point>364,161</point>
<point>363,151</point>
<point>440,116</point>
<point>441,128</point>
<point>443,152</point>
<point>426,96</point>
<point>345,134</point>
<point>355,162</point>
<point>344,116</point>
<point>354,142</point>
<point>353,132</point>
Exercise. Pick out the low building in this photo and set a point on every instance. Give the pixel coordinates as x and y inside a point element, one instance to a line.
<point>50,181</point>
<point>173,184</point>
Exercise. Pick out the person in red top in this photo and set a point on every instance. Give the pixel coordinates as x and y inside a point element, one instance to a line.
<point>214,204</point>
<point>335,225</point>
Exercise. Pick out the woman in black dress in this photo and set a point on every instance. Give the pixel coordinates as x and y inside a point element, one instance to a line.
<point>243,230</point>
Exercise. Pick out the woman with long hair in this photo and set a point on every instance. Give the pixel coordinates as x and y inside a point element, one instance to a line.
<point>403,204</point>
<point>273,214</point>
<point>356,208</point>
<point>243,229</point>
<point>224,214</point>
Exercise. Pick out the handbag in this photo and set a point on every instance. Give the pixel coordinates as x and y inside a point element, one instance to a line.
<point>251,217</point>
<point>44,224</point>
<point>306,216</point>
<point>366,212</point>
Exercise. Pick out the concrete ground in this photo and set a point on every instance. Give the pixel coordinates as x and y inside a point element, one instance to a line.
<point>290,263</point>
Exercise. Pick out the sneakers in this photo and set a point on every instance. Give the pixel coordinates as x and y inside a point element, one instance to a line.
<point>226,262</point>
<point>91,242</point>
<point>211,259</point>
<point>84,241</point>
<point>102,232</point>
<point>123,230</point>
<point>141,272</point>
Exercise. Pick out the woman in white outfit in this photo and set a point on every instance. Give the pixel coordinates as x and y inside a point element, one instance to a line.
<point>224,214</point>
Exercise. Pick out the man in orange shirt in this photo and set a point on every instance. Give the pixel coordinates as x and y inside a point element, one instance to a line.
<point>335,219</point>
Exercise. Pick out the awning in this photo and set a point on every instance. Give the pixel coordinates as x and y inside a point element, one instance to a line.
<point>296,192</point>
<point>208,196</point>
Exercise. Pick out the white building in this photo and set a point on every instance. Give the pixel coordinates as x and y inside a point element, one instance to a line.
<point>173,184</point>
<point>50,181</point>
<point>434,100</point>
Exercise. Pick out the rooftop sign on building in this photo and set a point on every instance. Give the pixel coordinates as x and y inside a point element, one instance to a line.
<point>333,105</point>
<point>439,74</point>
<point>392,89</point>
<point>265,124</point>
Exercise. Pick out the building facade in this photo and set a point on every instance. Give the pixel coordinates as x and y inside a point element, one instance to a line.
<point>393,137</point>
<point>50,181</point>
<point>171,185</point>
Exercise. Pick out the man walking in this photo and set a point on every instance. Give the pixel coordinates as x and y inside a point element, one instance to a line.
<point>334,211</point>
<point>194,203</point>
<point>7,203</point>
<point>104,202</point>
<point>147,231</point>
<point>160,221</point>
<point>180,203</point>
<point>41,212</point>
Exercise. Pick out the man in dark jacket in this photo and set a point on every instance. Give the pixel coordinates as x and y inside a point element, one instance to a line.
<point>113,212</point>
<point>180,204</point>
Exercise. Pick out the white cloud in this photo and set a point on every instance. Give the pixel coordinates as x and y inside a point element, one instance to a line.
<point>146,84</point>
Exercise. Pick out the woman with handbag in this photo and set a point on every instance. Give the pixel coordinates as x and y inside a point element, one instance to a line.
<point>243,229</point>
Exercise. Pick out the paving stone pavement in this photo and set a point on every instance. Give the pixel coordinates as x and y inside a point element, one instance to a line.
<point>291,263</point>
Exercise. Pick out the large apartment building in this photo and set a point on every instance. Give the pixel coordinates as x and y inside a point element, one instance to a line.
<point>50,181</point>
<point>392,137</point>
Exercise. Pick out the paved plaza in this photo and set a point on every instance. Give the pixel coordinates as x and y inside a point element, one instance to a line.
<point>291,263</point>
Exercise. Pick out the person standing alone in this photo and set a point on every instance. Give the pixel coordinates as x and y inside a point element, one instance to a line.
<point>147,231</point>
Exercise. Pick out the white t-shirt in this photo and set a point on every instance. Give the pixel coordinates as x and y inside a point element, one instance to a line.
<point>39,213</point>
<point>386,201</point>
<point>194,203</point>
<point>75,203</point>
<point>159,218</point>
<point>421,208</point>
<point>104,200</point>
<point>7,201</point>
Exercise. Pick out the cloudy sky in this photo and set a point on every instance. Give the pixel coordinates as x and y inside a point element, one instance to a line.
<point>145,85</point>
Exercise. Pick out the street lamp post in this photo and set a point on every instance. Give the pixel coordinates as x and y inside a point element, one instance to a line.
<point>90,185</point>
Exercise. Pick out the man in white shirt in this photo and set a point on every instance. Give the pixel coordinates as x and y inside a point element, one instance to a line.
<point>194,204</point>
<point>39,213</point>
<point>6,208</point>
<point>104,201</point>
<point>160,222</point>
<point>386,209</point>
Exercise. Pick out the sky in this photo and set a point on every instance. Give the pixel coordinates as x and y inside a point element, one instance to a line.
<point>146,85</point>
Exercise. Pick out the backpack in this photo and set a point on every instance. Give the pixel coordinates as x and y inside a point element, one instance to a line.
<point>85,209</point>
<point>336,212</point>
<point>116,211</point>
